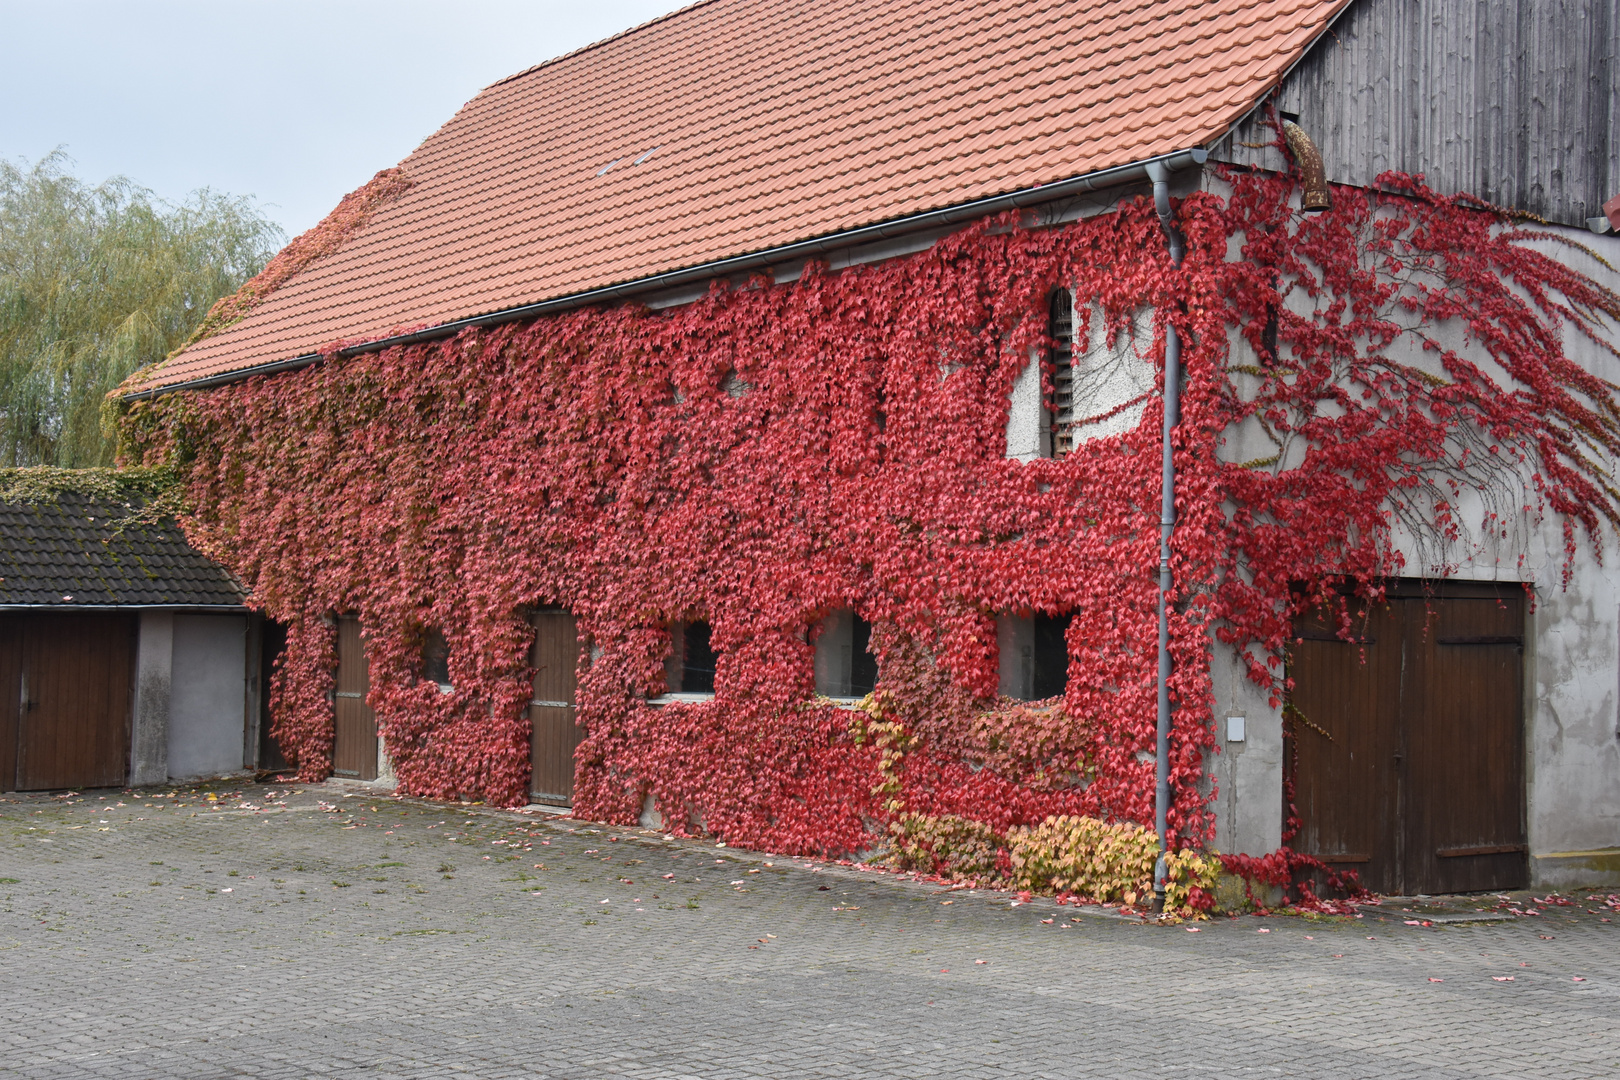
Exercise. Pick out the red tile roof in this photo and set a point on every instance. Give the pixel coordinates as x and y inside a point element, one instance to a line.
<point>736,126</point>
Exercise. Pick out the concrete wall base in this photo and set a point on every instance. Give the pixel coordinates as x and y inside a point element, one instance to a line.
<point>1566,870</point>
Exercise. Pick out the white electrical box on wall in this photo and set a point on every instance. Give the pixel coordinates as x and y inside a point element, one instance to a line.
<point>1234,729</point>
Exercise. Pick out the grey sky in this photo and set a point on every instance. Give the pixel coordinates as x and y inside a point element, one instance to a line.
<point>294,102</point>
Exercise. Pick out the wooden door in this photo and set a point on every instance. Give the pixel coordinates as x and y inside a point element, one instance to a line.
<point>554,735</point>
<point>1407,745</point>
<point>11,638</point>
<point>1464,812</point>
<point>67,683</point>
<point>354,738</point>
<point>272,644</point>
<point>1344,717</point>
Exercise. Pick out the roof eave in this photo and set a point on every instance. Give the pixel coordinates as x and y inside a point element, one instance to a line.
<point>182,609</point>
<point>977,208</point>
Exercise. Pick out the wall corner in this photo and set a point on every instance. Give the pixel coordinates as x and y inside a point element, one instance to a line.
<point>154,671</point>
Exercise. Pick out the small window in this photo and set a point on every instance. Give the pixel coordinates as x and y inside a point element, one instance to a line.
<point>1051,673</point>
<point>1058,438</point>
<point>690,667</point>
<point>1034,655</point>
<point>1268,332</point>
<point>845,664</point>
<point>436,659</point>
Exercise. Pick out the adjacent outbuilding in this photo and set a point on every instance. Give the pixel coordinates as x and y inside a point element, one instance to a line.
<point>126,656</point>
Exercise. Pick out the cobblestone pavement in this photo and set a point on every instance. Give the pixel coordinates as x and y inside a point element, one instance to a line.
<point>299,932</point>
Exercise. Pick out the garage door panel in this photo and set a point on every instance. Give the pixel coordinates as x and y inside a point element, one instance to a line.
<point>10,694</point>
<point>74,692</point>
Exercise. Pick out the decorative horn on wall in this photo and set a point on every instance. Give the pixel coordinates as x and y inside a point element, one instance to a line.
<point>1317,197</point>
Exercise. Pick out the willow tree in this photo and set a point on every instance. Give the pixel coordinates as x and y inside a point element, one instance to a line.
<point>95,282</point>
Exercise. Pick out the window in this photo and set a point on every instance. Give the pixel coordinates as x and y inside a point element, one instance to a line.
<point>436,659</point>
<point>1051,669</point>
<point>1059,434</point>
<point>1034,655</point>
<point>1099,384</point>
<point>1268,332</point>
<point>1038,423</point>
<point>690,667</point>
<point>845,664</point>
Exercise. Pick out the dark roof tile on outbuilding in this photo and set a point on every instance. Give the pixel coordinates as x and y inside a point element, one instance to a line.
<point>70,552</point>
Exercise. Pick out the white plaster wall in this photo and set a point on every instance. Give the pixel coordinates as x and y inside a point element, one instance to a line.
<point>208,695</point>
<point>154,661</point>
<point>1026,416</point>
<point>1248,775</point>
<point>1572,656</point>
<point>1109,375</point>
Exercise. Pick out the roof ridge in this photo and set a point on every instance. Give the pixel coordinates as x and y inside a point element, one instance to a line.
<point>583,49</point>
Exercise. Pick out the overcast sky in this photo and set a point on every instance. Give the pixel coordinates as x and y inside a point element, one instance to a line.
<point>291,101</point>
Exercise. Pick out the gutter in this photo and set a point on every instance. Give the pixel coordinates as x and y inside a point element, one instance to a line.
<point>1120,174</point>
<point>179,609</point>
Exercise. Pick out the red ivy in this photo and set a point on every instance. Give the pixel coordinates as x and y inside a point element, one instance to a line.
<point>773,452</point>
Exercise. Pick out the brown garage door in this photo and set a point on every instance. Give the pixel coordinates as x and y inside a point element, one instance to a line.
<point>1407,743</point>
<point>554,735</point>
<point>354,737</point>
<point>66,686</point>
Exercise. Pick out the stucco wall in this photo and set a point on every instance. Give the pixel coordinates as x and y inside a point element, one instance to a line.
<point>1572,658</point>
<point>154,662</point>
<point>207,695</point>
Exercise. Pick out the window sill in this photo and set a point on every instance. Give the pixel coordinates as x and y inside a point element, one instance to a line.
<point>838,701</point>
<point>679,699</point>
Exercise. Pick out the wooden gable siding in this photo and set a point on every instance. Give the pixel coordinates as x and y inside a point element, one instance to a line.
<point>1514,101</point>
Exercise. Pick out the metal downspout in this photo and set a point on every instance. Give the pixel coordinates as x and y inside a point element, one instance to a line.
<point>1167,523</point>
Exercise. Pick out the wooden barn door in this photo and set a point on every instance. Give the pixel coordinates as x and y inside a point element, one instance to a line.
<point>1344,715</point>
<point>1465,744</point>
<point>66,685</point>
<point>354,739</point>
<point>1408,743</point>
<point>555,735</point>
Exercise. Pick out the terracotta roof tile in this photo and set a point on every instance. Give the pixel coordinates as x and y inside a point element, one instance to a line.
<point>766,124</point>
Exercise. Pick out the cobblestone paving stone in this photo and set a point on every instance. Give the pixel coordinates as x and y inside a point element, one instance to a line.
<point>286,931</point>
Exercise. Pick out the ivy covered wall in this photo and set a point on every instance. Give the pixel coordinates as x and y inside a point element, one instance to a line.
<point>773,453</point>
